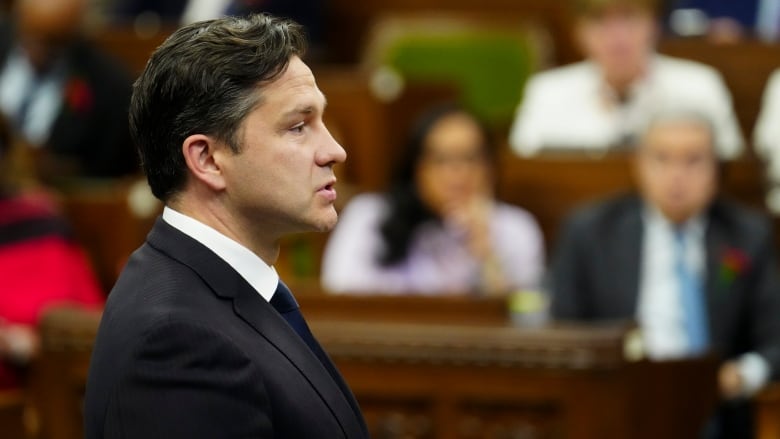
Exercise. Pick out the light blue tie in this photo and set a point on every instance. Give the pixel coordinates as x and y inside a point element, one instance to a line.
<point>692,298</point>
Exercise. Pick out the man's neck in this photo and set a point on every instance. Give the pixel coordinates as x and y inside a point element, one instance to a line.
<point>265,247</point>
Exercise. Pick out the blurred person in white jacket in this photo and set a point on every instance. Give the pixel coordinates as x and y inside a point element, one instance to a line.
<point>602,102</point>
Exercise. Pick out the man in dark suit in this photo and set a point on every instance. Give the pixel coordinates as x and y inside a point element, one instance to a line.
<point>696,272</point>
<point>62,94</point>
<point>200,338</point>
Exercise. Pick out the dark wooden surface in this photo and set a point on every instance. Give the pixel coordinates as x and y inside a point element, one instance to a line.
<point>422,367</point>
<point>768,413</point>
<point>12,406</point>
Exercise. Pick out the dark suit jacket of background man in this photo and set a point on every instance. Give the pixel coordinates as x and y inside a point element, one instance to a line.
<point>92,126</point>
<point>192,350</point>
<point>595,274</point>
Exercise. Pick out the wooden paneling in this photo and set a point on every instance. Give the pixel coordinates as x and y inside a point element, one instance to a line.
<point>12,409</point>
<point>59,374</point>
<point>452,375</point>
<point>105,223</point>
<point>768,413</point>
<point>456,309</point>
<point>349,22</point>
<point>745,67</point>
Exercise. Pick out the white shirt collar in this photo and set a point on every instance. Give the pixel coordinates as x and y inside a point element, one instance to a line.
<point>639,86</point>
<point>261,276</point>
<point>693,228</point>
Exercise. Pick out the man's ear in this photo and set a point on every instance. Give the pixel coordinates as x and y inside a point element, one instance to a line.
<point>199,154</point>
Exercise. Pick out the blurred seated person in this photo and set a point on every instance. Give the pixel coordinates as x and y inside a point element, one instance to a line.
<point>602,102</point>
<point>438,229</point>
<point>767,139</point>
<point>697,273</point>
<point>725,21</point>
<point>308,13</point>
<point>40,266</point>
<point>64,98</point>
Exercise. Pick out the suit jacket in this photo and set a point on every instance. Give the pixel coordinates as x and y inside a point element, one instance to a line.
<point>91,129</point>
<point>188,349</point>
<point>596,269</point>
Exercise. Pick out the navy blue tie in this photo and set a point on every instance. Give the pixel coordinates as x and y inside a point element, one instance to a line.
<point>285,304</point>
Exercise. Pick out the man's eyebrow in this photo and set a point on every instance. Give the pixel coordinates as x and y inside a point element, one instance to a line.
<point>301,109</point>
<point>305,108</point>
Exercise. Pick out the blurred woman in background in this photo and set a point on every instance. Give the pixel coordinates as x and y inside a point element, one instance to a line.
<point>438,229</point>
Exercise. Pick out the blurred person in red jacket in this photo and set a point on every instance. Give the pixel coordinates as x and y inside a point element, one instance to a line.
<point>41,266</point>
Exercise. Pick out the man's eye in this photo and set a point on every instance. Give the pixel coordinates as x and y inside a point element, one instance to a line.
<point>298,128</point>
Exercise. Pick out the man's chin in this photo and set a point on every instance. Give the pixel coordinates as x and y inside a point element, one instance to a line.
<point>678,216</point>
<point>325,223</point>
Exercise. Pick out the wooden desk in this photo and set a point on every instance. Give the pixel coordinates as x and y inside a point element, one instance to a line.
<point>459,372</point>
<point>453,381</point>
<point>768,413</point>
<point>458,310</point>
<point>12,408</point>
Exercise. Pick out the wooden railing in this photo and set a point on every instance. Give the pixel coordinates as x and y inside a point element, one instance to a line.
<point>440,373</point>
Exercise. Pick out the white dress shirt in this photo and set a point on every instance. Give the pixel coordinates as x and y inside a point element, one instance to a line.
<point>572,108</point>
<point>17,83</point>
<point>261,276</point>
<point>659,310</point>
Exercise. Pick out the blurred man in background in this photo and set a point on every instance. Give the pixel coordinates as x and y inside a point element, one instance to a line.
<point>698,273</point>
<point>65,98</point>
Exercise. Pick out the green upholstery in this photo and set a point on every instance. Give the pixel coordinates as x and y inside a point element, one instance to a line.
<point>489,67</point>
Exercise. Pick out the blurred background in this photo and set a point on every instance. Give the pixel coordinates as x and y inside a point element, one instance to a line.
<point>473,349</point>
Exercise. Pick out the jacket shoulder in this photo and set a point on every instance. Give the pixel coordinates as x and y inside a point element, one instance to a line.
<point>603,214</point>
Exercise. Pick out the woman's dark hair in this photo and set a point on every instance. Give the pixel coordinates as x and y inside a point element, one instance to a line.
<point>406,210</point>
<point>204,79</point>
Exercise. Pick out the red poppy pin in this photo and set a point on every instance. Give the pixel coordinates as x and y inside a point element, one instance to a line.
<point>734,262</point>
<point>79,96</point>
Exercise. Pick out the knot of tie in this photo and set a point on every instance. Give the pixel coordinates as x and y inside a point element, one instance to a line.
<point>283,299</point>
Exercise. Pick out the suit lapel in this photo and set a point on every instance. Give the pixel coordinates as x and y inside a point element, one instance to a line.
<point>260,315</point>
<point>715,241</point>
<point>628,236</point>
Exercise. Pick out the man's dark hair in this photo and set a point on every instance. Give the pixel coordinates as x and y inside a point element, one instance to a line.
<point>205,79</point>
